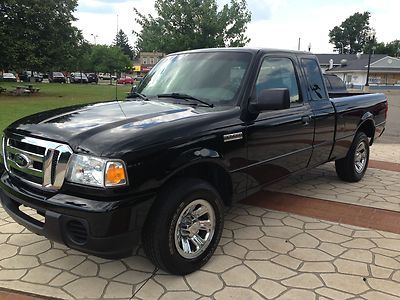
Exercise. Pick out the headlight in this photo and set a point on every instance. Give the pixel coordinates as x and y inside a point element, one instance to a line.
<point>96,171</point>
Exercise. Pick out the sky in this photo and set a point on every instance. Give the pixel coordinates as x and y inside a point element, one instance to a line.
<point>275,23</point>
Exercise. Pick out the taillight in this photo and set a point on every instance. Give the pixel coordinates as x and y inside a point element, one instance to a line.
<point>387,107</point>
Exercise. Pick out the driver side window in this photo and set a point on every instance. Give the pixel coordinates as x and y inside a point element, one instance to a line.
<point>278,72</point>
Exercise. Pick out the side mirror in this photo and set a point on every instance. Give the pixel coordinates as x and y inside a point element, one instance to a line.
<point>134,88</point>
<point>271,99</point>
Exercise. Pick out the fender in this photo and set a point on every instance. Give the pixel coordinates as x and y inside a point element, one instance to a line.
<point>367,124</point>
<point>193,157</point>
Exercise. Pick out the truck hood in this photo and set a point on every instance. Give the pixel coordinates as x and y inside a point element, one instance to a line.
<point>109,122</point>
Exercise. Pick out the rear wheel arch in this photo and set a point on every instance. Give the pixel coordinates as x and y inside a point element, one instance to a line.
<point>368,127</point>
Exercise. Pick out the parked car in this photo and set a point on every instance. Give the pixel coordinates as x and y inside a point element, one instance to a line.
<point>125,80</point>
<point>204,129</point>
<point>8,77</point>
<point>334,84</point>
<point>92,77</point>
<point>78,77</point>
<point>138,78</point>
<point>100,75</point>
<point>106,76</point>
<point>57,77</point>
<point>25,76</point>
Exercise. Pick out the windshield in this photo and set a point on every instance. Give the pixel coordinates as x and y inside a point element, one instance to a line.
<point>212,76</point>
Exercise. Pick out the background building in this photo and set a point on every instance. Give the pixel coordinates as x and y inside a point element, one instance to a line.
<point>352,68</point>
<point>145,62</point>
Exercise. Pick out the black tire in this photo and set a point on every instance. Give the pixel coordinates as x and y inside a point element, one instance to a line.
<point>346,168</point>
<point>159,233</point>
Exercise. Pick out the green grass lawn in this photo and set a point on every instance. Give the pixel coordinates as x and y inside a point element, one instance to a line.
<point>52,96</point>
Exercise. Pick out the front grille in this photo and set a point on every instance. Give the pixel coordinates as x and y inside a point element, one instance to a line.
<point>37,162</point>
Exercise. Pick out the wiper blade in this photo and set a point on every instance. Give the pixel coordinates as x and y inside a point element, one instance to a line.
<point>185,97</point>
<point>137,95</point>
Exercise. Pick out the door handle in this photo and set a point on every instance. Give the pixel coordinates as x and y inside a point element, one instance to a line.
<point>306,120</point>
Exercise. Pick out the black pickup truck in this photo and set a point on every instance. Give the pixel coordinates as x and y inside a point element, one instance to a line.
<point>203,129</point>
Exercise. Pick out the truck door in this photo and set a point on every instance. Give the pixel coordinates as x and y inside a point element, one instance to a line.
<point>323,110</point>
<point>279,141</point>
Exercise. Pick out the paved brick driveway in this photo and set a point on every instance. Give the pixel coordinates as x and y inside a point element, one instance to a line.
<point>263,253</point>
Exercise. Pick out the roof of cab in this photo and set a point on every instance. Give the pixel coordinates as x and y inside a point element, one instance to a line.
<point>241,49</point>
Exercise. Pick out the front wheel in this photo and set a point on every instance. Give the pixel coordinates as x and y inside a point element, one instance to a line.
<point>184,226</point>
<point>353,167</point>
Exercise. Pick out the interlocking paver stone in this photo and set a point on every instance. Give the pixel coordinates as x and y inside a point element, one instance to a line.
<point>346,283</point>
<point>87,268</point>
<point>304,281</point>
<point>204,283</point>
<point>276,244</point>
<point>304,240</point>
<point>175,283</point>
<point>358,255</point>
<point>41,274</point>
<point>386,286</point>
<point>118,290</point>
<point>19,262</point>
<point>270,270</point>
<point>333,294</point>
<point>180,295</point>
<point>268,288</point>
<point>237,293</point>
<point>298,294</point>
<point>7,251</point>
<point>90,287</point>
<point>307,254</point>
<point>373,295</point>
<point>351,267</point>
<point>111,269</point>
<point>151,290</point>
<point>239,276</point>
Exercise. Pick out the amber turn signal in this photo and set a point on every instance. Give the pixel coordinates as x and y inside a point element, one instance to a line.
<point>115,174</point>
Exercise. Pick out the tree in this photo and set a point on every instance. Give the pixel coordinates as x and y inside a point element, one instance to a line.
<point>37,34</point>
<point>121,41</point>
<point>352,34</point>
<point>108,59</point>
<point>192,24</point>
<point>392,48</point>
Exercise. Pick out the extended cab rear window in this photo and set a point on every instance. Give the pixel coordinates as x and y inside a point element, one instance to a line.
<point>314,79</point>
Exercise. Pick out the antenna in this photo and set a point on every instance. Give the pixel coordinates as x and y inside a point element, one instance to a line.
<point>116,85</point>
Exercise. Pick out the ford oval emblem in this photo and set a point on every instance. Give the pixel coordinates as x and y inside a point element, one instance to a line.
<point>22,160</point>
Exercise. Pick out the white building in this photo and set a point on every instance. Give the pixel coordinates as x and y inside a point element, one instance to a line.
<point>352,68</point>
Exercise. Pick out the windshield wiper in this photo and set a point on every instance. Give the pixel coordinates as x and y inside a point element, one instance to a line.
<point>185,97</point>
<point>137,95</point>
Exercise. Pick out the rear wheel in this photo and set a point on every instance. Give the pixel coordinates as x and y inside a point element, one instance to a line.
<point>353,167</point>
<point>184,226</point>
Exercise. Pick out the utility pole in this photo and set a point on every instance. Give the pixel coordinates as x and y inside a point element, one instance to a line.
<point>371,39</point>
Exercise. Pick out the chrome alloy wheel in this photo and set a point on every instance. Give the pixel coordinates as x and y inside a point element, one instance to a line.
<point>195,229</point>
<point>360,157</point>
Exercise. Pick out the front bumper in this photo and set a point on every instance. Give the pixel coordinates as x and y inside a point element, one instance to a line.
<point>106,229</point>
